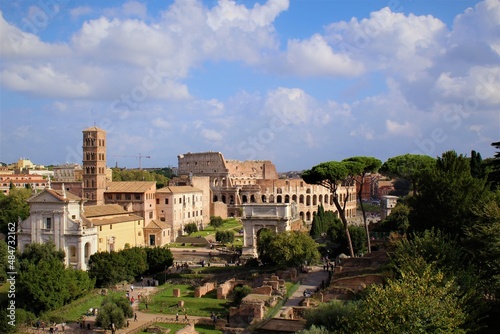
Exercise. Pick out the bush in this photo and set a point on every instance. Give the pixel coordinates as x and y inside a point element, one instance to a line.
<point>240,292</point>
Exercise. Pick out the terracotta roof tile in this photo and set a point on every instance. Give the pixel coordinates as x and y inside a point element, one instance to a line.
<point>130,186</point>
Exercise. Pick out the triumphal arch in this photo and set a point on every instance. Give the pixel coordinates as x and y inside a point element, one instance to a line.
<point>278,217</point>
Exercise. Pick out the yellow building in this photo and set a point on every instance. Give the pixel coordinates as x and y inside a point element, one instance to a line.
<point>116,227</point>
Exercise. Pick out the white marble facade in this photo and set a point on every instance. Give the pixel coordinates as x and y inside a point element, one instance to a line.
<point>57,216</point>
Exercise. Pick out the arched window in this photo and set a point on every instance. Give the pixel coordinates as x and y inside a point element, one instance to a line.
<point>264,199</point>
<point>278,199</point>
<point>287,198</point>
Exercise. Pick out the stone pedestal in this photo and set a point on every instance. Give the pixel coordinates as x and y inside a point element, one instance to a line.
<point>177,292</point>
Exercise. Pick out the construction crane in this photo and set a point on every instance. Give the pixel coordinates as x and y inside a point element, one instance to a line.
<point>140,157</point>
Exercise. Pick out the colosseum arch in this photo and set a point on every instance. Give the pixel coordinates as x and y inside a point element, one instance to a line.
<point>315,200</point>
<point>294,198</point>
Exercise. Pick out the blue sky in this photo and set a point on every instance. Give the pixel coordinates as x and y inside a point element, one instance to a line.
<point>296,82</point>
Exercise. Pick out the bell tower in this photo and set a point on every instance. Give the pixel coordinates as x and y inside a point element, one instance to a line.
<point>94,165</point>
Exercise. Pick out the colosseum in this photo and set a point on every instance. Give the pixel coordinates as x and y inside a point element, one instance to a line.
<point>236,183</point>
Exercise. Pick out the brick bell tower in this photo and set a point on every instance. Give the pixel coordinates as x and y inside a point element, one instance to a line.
<point>94,165</point>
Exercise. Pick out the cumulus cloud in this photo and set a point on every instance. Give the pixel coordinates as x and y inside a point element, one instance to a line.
<point>320,58</point>
<point>290,105</point>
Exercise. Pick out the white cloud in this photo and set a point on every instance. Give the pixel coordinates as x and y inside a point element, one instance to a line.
<point>481,84</point>
<point>45,80</point>
<point>290,105</point>
<point>211,135</point>
<point>320,58</point>
<point>80,11</point>
<point>387,40</point>
<point>135,8</point>
<point>397,129</point>
<point>228,14</point>
<point>161,123</point>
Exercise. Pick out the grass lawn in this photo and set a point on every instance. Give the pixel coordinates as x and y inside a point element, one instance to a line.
<point>202,329</point>
<point>209,232</point>
<point>74,310</point>
<point>165,302</point>
<point>4,289</point>
<point>229,224</point>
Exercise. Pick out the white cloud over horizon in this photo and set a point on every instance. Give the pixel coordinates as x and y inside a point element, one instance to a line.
<point>135,68</point>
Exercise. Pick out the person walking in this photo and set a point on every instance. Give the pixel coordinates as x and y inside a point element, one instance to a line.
<point>135,316</point>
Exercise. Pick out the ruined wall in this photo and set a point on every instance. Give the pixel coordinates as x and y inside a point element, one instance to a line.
<point>263,290</point>
<point>204,289</point>
<point>204,163</point>
<point>243,171</point>
<point>219,209</point>
<point>225,288</point>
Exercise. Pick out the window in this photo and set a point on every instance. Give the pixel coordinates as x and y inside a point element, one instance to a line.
<point>157,201</point>
<point>100,228</point>
<point>73,216</point>
<point>110,226</point>
<point>137,197</point>
<point>48,223</point>
<point>128,197</point>
<point>166,200</point>
<point>138,222</point>
<point>150,215</point>
<point>118,196</point>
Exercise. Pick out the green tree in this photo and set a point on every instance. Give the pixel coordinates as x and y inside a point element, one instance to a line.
<point>333,175</point>
<point>264,237</point>
<point>314,330</point>
<point>224,236</point>
<point>482,242</point>
<point>216,222</point>
<point>358,236</point>
<point>44,283</point>
<point>333,316</point>
<point>4,260</point>
<point>240,292</point>
<point>398,220</point>
<point>477,167</point>
<point>319,225</point>
<point>408,167</point>
<point>107,268</point>
<point>135,260</point>
<point>360,167</point>
<point>448,193</point>
<point>158,259</point>
<point>190,228</point>
<point>421,301</point>
<point>13,207</point>
<point>449,257</point>
<point>293,248</point>
<point>114,310</point>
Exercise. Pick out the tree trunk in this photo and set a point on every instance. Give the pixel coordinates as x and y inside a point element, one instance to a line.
<point>346,227</point>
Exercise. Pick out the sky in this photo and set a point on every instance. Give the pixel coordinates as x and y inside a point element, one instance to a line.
<point>296,82</point>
